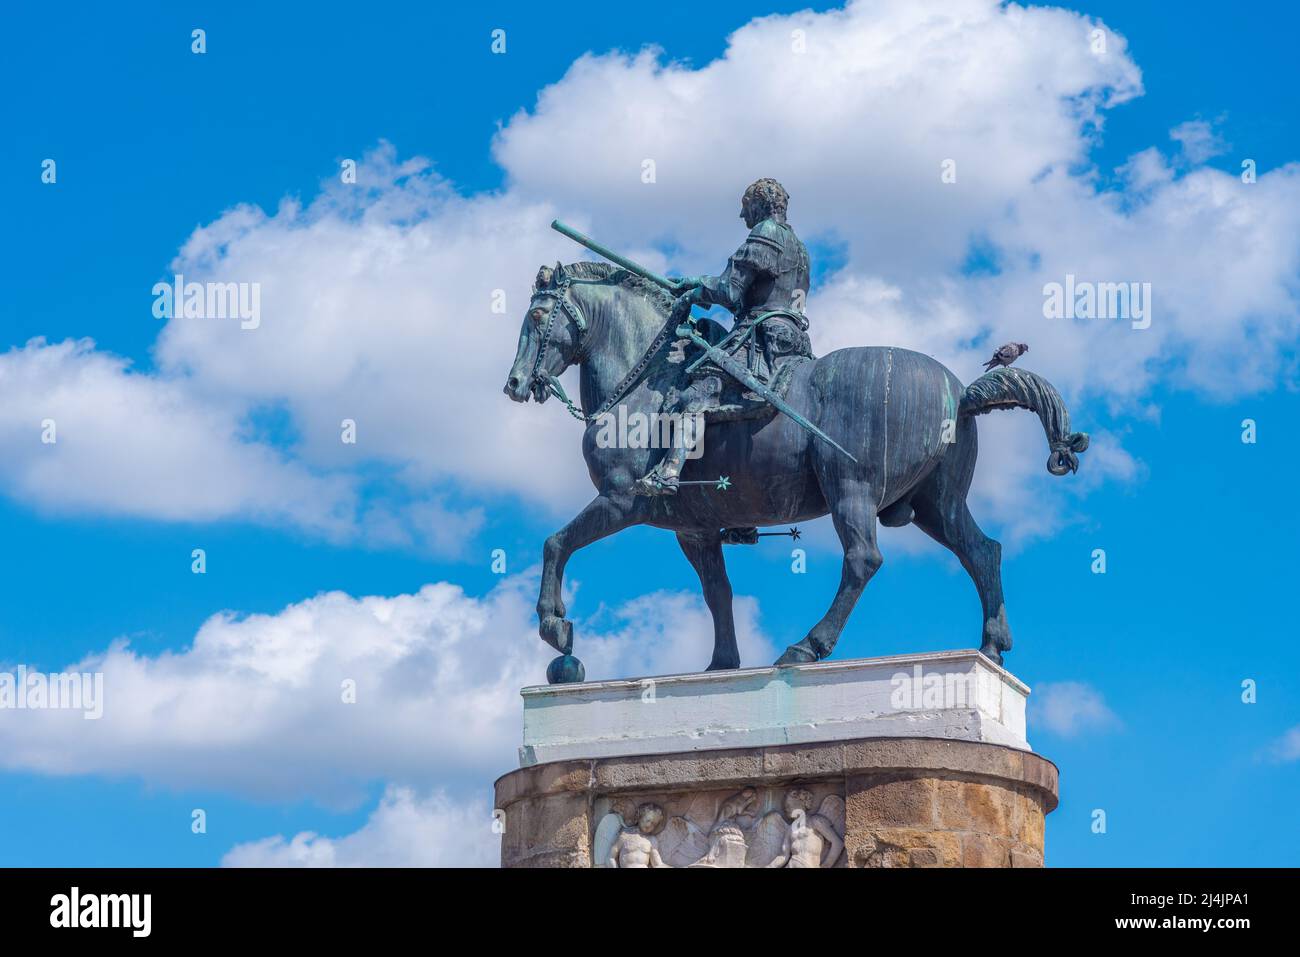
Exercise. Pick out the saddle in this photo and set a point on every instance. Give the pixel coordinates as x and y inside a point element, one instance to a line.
<point>771,347</point>
<point>739,403</point>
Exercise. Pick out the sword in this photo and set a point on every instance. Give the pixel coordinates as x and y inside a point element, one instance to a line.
<point>737,371</point>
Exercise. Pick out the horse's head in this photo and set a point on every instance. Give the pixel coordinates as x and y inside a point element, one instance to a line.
<point>550,339</point>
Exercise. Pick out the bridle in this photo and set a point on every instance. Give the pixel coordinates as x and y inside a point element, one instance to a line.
<point>559,292</point>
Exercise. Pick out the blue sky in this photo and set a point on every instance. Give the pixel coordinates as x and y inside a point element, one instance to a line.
<point>154,143</point>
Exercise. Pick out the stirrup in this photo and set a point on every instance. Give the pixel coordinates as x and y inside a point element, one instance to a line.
<point>654,483</point>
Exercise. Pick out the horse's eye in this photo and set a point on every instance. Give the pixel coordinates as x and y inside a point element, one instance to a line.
<point>537,315</point>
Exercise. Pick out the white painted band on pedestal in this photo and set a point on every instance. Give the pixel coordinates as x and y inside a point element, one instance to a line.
<point>947,694</point>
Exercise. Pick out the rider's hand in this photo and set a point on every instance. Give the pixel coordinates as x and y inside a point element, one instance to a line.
<point>692,290</point>
<point>686,284</point>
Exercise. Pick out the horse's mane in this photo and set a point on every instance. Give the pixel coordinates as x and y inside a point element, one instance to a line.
<point>608,272</point>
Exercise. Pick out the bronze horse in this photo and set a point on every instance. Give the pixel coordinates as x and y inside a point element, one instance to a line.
<point>906,419</point>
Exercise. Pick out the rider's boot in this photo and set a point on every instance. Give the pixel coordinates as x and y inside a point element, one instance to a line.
<point>701,396</point>
<point>663,479</point>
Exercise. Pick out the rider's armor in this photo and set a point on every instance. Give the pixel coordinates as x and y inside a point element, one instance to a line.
<point>763,286</point>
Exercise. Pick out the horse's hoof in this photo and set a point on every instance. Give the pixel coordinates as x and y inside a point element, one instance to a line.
<point>558,633</point>
<point>565,669</point>
<point>725,665</point>
<point>991,653</point>
<point>795,655</point>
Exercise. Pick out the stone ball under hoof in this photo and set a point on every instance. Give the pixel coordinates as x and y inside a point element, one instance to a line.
<point>565,669</point>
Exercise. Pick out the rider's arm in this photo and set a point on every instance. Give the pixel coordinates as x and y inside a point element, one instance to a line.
<point>755,258</point>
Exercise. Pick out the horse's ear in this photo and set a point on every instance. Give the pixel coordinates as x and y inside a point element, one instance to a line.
<point>543,279</point>
<point>558,275</point>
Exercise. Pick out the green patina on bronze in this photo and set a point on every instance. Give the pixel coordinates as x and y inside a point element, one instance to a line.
<point>854,438</point>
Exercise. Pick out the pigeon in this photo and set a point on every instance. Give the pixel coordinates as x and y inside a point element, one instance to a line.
<point>1006,355</point>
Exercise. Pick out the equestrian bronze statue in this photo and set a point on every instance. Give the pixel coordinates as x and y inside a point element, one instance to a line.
<point>865,434</point>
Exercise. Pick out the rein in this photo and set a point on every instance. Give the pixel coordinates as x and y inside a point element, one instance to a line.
<point>552,383</point>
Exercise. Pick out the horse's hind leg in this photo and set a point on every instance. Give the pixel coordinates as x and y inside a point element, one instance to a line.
<point>941,513</point>
<point>704,551</point>
<point>853,510</point>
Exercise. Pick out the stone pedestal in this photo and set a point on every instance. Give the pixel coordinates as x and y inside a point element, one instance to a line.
<point>907,761</point>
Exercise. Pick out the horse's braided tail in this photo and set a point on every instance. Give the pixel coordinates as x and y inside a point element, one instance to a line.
<point>1008,388</point>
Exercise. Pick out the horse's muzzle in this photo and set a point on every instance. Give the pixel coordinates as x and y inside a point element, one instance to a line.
<point>517,389</point>
<point>521,390</point>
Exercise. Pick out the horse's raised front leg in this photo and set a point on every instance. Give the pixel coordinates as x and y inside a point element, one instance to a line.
<point>853,510</point>
<point>704,551</point>
<point>603,516</point>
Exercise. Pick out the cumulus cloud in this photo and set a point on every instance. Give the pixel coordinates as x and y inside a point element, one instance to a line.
<point>377,306</point>
<point>82,431</point>
<point>1069,708</point>
<point>403,831</point>
<point>334,692</point>
<point>668,633</point>
<point>856,126</point>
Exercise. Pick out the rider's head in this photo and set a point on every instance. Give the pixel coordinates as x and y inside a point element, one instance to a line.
<point>765,199</point>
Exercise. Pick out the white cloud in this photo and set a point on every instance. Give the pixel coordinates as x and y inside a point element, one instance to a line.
<point>132,444</point>
<point>1198,140</point>
<point>403,831</point>
<point>377,306</point>
<point>1069,708</point>
<point>1287,747</point>
<point>668,633</point>
<point>856,128</point>
<point>256,705</point>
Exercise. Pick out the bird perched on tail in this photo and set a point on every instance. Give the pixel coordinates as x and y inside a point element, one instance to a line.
<point>1006,355</point>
